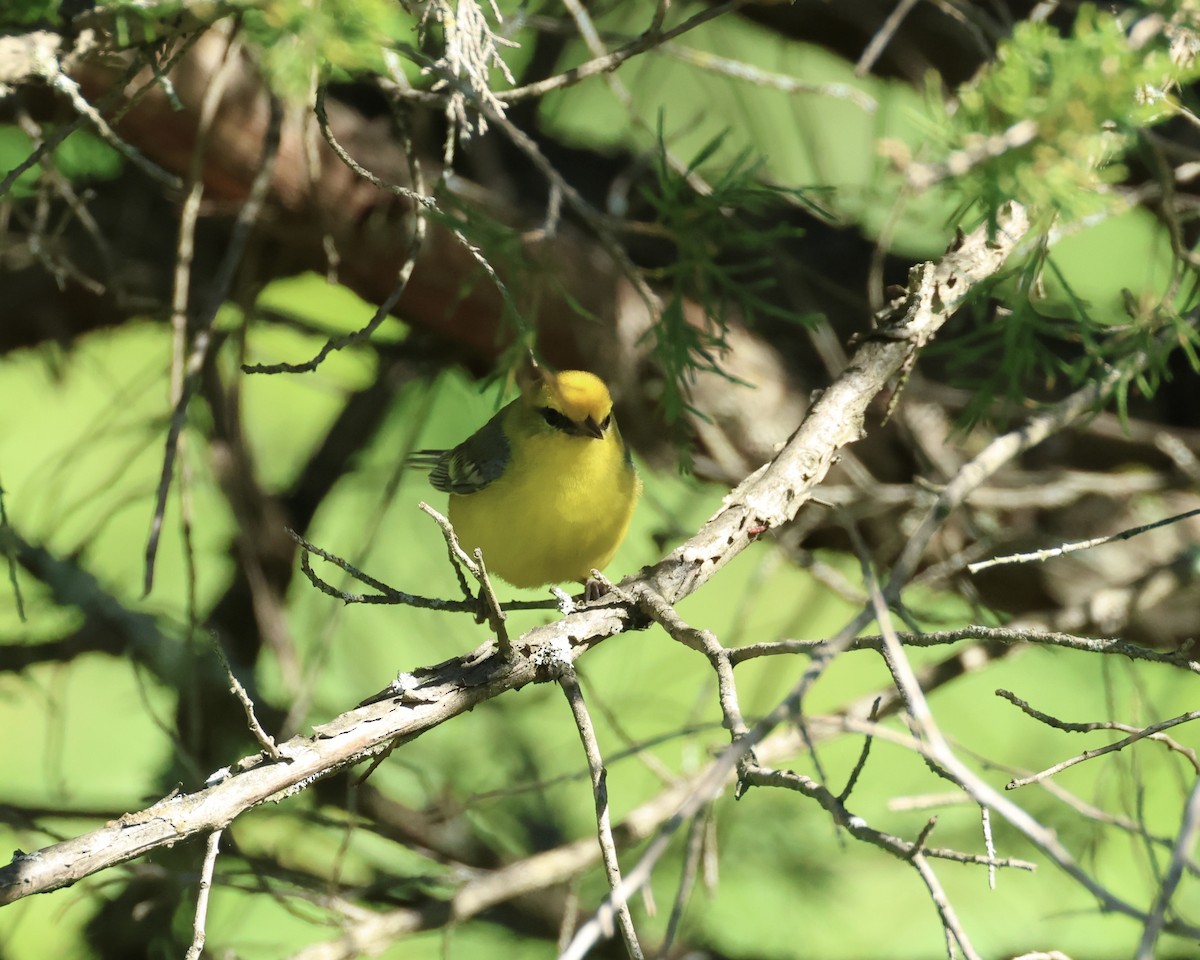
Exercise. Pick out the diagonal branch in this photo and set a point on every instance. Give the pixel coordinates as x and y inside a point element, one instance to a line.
<point>427,697</point>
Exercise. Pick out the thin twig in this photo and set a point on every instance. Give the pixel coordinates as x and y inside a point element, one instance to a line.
<point>767,78</point>
<point>221,283</point>
<point>957,163</point>
<point>206,875</point>
<point>487,605</point>
<point>78,207</point>
<point>10,554</point>
<point>390,595</point>
<point>925,727</point>
<point>995,455</point>
<point>649,40</point>
<point>955,934</point>
<point>608,848</point>
<point>882,38</point>
<point>858,828</point>
<point>693,856</point>
<point>64,84</point>
<point>1149,732</point>
<point>529,147</point>
<point>101,108</point>
<point>703,641</point>
<point>1066,548</point>
<point>1132,651</point>
<point>591,38</point>
<point>1189,828</point>
<point>985,822</point>
<point>460,560</point>
<point>384,310</point>
<point>265,740</point>
<point>183,367</point>
<point>863,754</point>
<point>492,609</point>
<point>40,150</point>
<point>937,752</point>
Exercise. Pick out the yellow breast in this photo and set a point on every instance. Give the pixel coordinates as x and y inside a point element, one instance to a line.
<point>561,508</point>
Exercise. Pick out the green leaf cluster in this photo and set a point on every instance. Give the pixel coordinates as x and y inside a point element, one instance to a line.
<point>1050,124</point>
<point>28,12</point>
<point>292,38</point>
<point>337,37</point>
<point>724,248</point>
<point>1089,94</point>
<point>83,155</point>
<point>129,23</point>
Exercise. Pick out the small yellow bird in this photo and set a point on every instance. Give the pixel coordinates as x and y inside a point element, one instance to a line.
<point>546,488</point>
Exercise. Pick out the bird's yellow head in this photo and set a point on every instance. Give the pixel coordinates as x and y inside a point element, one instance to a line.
<point>574,401</point>
<point>545,488</point>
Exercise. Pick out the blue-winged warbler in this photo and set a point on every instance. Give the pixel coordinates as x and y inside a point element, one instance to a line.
<point>546,488</point>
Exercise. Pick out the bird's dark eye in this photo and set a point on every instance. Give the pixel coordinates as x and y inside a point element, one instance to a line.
<point>557,420</point>
<point>605,422</point>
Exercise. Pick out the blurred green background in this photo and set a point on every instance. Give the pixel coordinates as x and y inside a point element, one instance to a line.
<point>81,445</point>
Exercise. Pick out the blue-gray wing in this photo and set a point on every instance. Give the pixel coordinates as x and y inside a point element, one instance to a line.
<point>470,466</point>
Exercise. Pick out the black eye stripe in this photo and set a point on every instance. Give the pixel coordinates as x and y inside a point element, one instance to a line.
<point>557,420</point>
<point>560,421</point>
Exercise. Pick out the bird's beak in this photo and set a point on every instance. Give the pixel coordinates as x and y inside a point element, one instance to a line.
<point>591,428</point>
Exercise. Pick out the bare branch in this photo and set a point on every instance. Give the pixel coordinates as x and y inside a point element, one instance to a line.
<point>265,740</point>
<point>202,322</point>
<point>954,931</point>
<point>649,40</point>
<point>1184,842</point>
<point>9,551</point>
<point>206,875</point>
<point>768,498</point>
<point>608,849</point>
<point>1008,635</point>
<point>1153,732</point>
<point>1040,555</point>
<point>384,310</point>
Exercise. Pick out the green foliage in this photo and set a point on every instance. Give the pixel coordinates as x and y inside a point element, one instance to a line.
<point>510,271</point>
<point>722,260</point>
<point>1069,339</point>
<point>293,38</point>
<point>335,37</point>
<point>81,155</point>
<point>1155,331</point>
<point>1089,94</point>
<point>81,457</point>
<point>25,13</point>
<point>85,155</point>
<point>15,147</point>
<point>1050,124</point>
<point>133,23</point>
